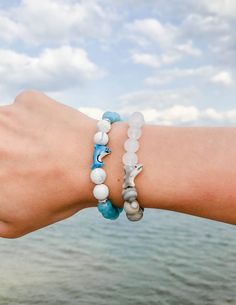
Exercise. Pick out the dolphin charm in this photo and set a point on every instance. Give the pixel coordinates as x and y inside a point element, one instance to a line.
<point>100,151</point>
<point>130,174</point>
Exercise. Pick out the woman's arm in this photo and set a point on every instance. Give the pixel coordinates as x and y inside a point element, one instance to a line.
<point>186,169</point>
<point>45,156</point>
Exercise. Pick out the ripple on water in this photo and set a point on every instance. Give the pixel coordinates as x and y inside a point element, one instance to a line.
<point>168,258</point>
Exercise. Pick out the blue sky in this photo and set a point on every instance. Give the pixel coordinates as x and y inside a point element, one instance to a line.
<point>173,60</point>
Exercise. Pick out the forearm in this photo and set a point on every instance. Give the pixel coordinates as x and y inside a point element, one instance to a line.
<point>186,169</point>
<point>46,153</point>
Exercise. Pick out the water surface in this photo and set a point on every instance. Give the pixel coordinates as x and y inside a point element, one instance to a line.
<point>167,258</point>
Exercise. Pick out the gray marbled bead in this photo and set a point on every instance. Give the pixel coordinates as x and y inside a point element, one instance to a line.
<point>136,216</point>
<point>129,194</point>
<point>131,208</point>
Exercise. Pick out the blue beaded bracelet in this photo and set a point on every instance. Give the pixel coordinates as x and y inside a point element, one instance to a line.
<point>98,175</point>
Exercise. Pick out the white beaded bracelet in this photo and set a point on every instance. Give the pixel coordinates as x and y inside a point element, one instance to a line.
<point>98,175</point>
<point>131,167</point>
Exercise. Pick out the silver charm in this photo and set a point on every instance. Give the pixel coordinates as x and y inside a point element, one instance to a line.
<point>131,206</point>
<point>130,174</point>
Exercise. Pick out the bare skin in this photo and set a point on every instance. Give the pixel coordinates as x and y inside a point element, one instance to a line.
<point>46,152</point>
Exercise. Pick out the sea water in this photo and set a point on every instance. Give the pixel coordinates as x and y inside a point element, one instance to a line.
<point>167,258</point>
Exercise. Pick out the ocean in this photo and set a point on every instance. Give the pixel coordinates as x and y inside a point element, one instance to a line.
<point>167,258</point>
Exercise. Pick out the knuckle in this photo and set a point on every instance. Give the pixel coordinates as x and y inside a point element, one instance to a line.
<point>26,96</point>
<point>23,94</point>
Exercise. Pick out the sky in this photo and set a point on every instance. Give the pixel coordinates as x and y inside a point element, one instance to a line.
<point>175,60</point>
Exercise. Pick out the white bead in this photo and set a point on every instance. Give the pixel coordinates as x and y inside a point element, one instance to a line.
<point>104,125</point>
<point>101,138</point>
<point>130,158</point>
<point>136,119</point>
<point>129,209</point>
<point>134,133</point>
<point>101,191</point>
<point>131,145</point>
<point>98,175</point>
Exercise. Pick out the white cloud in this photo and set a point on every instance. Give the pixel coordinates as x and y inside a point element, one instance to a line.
<point>231,115</point>
<point>175,115</point>
<point>212,114</point>
<point>167,116</point>
<point>168,75</point>
<point>180,114</point>
<point>201,26</point>
<point>204,73</point>
<point>146,59</point>
<point>155,61</point>
<point>179,9</point>
<point>158,80</point>
<point>175,107</point>
<point>223,78</point>
<point>157,98</point>
<point>166,40</point>
<point>220,7</point>
<point>10,30</point>
<point>51,21</point>
<point>93,112</point>
<point>202,30</point>
<point>53,69</point>
<point>214,33</point>
<point>148,31</point>
<point>189,49</point>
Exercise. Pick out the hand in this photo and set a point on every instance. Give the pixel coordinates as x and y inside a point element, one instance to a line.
<point>45,156</point>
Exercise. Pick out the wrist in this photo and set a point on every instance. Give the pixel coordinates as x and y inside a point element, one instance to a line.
<point>82,186</point>
<point>79,158</point>
<point>82,157</point>
<point>145,183</point>
<point>112,164</point>
<point>115,166</point>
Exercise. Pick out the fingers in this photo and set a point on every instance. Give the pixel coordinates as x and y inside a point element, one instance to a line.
<point>25,99</point>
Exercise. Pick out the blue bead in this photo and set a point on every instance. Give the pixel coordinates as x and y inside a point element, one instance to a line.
<point>108,211</point>
<point>116,117</point>
<point>111,116</point>
<point>120,210</point>
<point>107,115</point>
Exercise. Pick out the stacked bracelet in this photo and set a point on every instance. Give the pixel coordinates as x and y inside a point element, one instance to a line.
<point>98,175</point>
<point>131,168</point>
